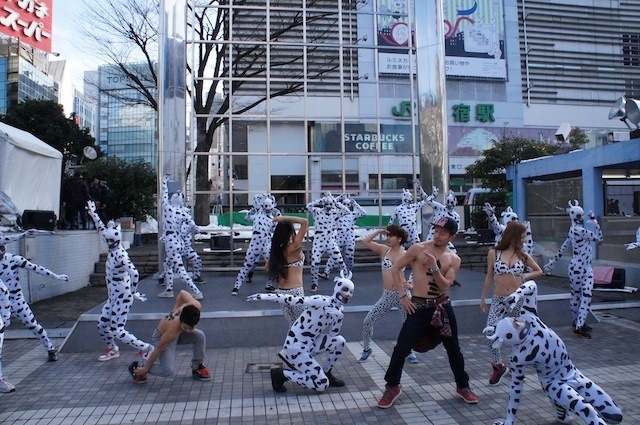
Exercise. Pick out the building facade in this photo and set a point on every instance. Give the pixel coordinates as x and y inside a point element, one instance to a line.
<point>24,74</point>
<point>125,125</point>
<point>318,95</point>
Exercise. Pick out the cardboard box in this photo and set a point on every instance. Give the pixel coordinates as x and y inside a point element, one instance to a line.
<point>126,222</point>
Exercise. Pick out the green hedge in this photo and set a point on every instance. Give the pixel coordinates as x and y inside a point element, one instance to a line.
<point>238,218</point>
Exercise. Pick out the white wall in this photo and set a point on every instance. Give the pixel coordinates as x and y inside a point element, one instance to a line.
<point>73,253</point>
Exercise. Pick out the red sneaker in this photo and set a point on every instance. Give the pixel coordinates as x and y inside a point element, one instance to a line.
<point>389,396</point>
<point>467,395</point>
<point>201,373</point>
<point>499,372</point>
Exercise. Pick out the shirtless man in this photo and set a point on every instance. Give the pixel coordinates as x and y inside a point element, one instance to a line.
<point>177,327</point>
<point>434,268</point>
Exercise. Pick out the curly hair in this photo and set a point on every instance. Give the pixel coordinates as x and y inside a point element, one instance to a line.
<point>395,230</point>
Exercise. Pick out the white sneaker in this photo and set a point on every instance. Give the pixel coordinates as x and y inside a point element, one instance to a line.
<point>6,386</point>
<point>109,354</point>
<point>412,358</point>
<point>167,293</point>
<point>145,354</point>
<point>197,295</point>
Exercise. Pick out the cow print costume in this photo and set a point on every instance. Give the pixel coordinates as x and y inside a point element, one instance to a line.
<point>636,244</point>
<point>122,287</point>
<point>173,217</point>
<point>440,210</point>
<point>188,230</point>
<point>346,237</point>
<point>9,264</point>
<point>406,215</point>
<point>5,311</point>
<point>326,213</point>
<point>316,331</point>
<point>579,242</point>
<point>507,216</point>
<point>262,214</point>
<point>534,344</point>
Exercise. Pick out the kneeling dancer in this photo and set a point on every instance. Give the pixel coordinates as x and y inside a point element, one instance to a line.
<point>314,332</point>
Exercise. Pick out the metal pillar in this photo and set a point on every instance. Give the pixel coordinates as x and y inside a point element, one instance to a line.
<point>172,92</point>
<point>432,97</point>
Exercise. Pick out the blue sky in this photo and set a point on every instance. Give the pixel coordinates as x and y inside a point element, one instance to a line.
<point>67,41</point>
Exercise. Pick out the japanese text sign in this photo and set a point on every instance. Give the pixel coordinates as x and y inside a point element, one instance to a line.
<point>28,20</point>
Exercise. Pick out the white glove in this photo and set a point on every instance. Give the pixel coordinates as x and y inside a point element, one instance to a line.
<point>548,268</point>
<point>140,297</point>
<point>254,297</point>
<point>489,209</point>
<point>62,277</point>
<point>434,191</point>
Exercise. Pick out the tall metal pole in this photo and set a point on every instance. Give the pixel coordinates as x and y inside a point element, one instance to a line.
<point>432,99</point>
<point>172,105</point>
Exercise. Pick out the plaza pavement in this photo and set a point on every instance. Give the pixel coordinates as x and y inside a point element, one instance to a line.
<point>79,390</point>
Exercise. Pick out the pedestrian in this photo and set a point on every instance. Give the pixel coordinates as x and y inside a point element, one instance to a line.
<point>98,192</point>
<point>434,268</point>
<point>76,197</point>
<point>389,253</point>
<point>176,328</point>
<point>508,266</point>
<point>286,261</point>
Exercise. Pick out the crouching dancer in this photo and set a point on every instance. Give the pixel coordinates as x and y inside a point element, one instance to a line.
<point>314,332</point>
<point>176,328</point>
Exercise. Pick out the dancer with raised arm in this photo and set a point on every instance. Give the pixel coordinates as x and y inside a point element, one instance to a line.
<point>286,261</point>
<point>326,213</point>
<point>507,216</point>
<point>579,242</point>
<point>9,265</point>
<point>346,237</point>
<point>122,288</point>
<point>262,214</point>
<point>389,253</point>
<point>406,214</point>
<point>188,230</point>
<point>173,216</point>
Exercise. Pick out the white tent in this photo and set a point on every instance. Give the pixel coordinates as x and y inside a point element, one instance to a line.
<point>30,171</point>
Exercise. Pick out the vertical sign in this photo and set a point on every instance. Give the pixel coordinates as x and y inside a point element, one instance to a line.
<point>28,20</point>
<point>474,38</point>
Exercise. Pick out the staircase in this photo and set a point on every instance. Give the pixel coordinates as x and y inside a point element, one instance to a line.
<point>145,258</point>
<point>145,261</point>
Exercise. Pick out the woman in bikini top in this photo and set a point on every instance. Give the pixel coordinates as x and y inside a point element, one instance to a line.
<point>391,251</point>
<point>286,259</point>
<point>507,264</point>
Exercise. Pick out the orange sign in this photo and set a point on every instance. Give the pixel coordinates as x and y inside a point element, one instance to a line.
<point>28,20</point>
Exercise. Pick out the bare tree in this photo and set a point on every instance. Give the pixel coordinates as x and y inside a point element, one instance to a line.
<point>124,31</point>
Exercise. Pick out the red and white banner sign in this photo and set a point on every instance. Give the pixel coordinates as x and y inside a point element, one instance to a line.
<point>28,20</point>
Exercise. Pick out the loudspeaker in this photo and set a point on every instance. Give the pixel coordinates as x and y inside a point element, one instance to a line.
<point>220,242</point>
<point>41,220</point>
<point>619,278</point>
